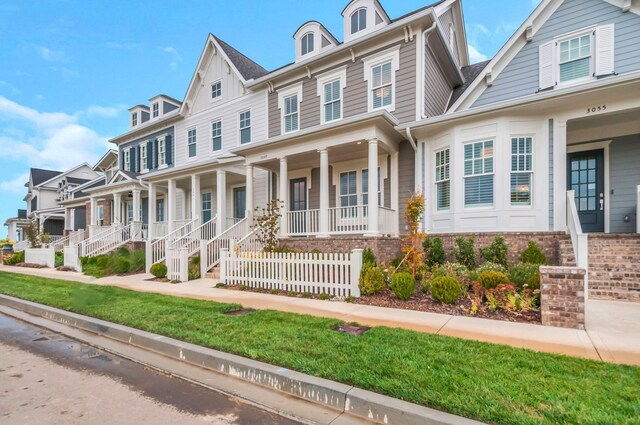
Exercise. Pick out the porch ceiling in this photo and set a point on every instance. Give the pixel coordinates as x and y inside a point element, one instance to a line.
<point>615,124</point>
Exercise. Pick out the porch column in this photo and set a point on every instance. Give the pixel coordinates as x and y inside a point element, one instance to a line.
<point>324,194</point>
<point>68,225</point>
<point>117,208</point>
<point>137,227</point>
<point>560,176</point>
<point>171,205</point>
<point>395,204</point>
<point>283,191</point>
<point>372,208</point>
<point>94,212</point>
<point>152,210</point>
<point>249,193</point>
<point>221,194</point>
<point>195,197</point>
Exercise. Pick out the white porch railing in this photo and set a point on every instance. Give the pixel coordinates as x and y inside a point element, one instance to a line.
<point>232,221</point>
<point>250,243</point>
<point>159,229</point>
<point>72,238</point>
<point>348,219</point>
<point>191,241</point>
<point>333,274</point>
<point>387,221</point>
<point>638,210</point>
<point>305,222</point>
<point>579,240</point>
<point>95,231</point>
<point>342,220</point>
<point>55,238</point>
<point>181,223</point>
<point>210,251</point>
<point>21,246</point>
<point>107,241</point>
<point>157,249</point>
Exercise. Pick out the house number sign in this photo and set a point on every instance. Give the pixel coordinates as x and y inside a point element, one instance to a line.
<point>595,109</point>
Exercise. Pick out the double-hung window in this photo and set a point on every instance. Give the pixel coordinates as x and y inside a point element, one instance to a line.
<point>382,85</point>
<point>130,212</point>
<point>206,207</point>
<point>127,160</point>
<point>365,188</point>
<point>358,20</point>
<point>100,215</point>
<point>143,157</point>
<point>348,194</point>
<point>134,119</point>
<point>575,58</point>
<point>307,44</point>
<point>245,127</point>
<point>191,142</point>
<point>478,174</point>
<point>160,210</point>
<point>216,90</point>
<point>443,179</point>
<point>162,152</point>
<point>216,135</point>
<point>291,116</point>
<point>521,170</point>
<point>155,110</point>
<point>332,101</point>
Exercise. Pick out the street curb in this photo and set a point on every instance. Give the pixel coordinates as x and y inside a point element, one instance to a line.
<point>334,395</point>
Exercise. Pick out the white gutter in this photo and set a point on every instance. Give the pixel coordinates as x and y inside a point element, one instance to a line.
<point>411,139</point>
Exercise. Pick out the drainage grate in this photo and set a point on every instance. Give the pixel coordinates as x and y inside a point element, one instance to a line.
<point>240,312</point>
<point>351,329</point>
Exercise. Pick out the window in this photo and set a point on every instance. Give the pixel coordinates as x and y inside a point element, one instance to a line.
<point>478,173</point>
<point>191,142</point>
<point>332,101</point>
<point>443,182</point>
<point>358,20</point>
<point>521,170</point>
<point>100,215</point>
<point>216,90</point>
<point>365,188</point>
<point>245,127</point>
<point>127,160</point>
<point>216,135</point>
<point>155,110</point>
<point>382,86</point>
<point>160,210</point>
<point>575,58</point>
<point>162,153</point>
<point>291,113</point>
<point>206,207</point>
<point>348,189</point>
<point>134,119</point>
<point>307,44</point>
<point>130,212</point>
<point>144,165</point>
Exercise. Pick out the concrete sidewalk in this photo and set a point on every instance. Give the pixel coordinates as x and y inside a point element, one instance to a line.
<point>613,328</point>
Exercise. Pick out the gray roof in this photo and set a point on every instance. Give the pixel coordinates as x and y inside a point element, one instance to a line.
<point>81,194</point>
<point>470,73</point>
<point>39,175</point>
<point>247,68</point>
<point>417,11</point>
<point>75,180</point>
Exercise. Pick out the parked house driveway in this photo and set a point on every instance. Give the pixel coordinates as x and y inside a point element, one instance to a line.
<point>614,328</point>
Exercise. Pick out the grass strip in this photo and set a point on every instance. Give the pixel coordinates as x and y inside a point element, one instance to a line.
<point>487,382</point>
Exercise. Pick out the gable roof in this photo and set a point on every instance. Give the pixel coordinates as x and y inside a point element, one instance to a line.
<point>76,180</point>
<point>39,176</point>
<point>470,73</point>
<point>249,69</point>
<point>68,172</point>
<point>105,158</point>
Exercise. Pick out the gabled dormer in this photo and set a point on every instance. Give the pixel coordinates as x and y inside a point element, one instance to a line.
<point>138,115</point>
<point>161,105</point>
<point>311,39</point>
<point>362,17</point>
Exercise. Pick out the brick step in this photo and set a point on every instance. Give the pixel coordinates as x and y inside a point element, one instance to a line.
<point>614,295</point>
<point>214,273</point>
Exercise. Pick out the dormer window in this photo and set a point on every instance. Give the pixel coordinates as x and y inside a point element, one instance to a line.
<point>134,119</point>
<point>216,90</point>
<point>307,43</point>
<point>155,110</point>
<point>358,20</point>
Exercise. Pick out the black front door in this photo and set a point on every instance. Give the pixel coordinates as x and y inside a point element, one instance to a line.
<point>239,202</point>
<point>585,175</point>
<point>298,202</point>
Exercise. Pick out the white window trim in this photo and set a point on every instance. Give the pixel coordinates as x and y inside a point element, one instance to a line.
<point>250,110</point>
<point>532,172</point>
<point>564,37</point>
<point>159,113</point>
<point>134,117</point>
<point>329,77</point>
<point>99,214</point>
<point>127,159</point>
<point>213,121</point>
<point>218,98</point>
<point>191,158</point>
<point>358,165</point>
<point>144,159</point>
<point>390,55</point>
<point>162,143</point>
<point>465,177</point>
<point>296,89</point>
<point>366,20</point>
<point>313,45</point>
<point>450,180</point>
<point>211,201</point>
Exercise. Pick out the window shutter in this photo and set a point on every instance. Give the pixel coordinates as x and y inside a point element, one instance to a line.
<point>138,159</point>
<point>156,154</point>
<point>132,160</point>
<point>604,50</point>
<point>169,148</point>
<point>546,62</point>
<point>122,159</point>
<point>150,164</point>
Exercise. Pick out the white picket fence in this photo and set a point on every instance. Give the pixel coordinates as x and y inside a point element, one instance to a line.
<point>317,273</point>
<point>177,265</point>
<point>156,250</point>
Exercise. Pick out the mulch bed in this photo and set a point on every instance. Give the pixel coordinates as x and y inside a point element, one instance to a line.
<point>31,265</point>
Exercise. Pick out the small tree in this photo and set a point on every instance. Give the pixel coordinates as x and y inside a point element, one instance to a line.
<point>412,247</point>
<point>267,220</point>
<point>33,234</point>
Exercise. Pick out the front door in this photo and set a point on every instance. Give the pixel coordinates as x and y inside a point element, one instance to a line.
<point>585,175</point>
<point>239,202</point>
<point>298,202</point>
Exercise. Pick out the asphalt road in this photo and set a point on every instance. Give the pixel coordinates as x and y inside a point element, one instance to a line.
<point>46,378</point>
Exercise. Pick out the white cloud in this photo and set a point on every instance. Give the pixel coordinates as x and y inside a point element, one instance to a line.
<point>475,55</point>
<point>10,87</point>
<point>482,29</point>
<point>50,55</point>
<point>176,58</point>
<point>16,185</point>
<point>103,111</point>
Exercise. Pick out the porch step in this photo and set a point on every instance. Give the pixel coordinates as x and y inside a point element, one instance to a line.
<point>214,273</point>
<point>614,266</point>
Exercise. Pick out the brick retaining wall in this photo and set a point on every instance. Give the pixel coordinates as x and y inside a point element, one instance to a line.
<point>562,297</point>
<point>386,249</point>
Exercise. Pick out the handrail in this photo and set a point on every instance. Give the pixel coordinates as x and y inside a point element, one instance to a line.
<point>72,237</point>
<point>210,251</point>
<point>191,240</point>
<point>158,248</point>
<point>107,241</point>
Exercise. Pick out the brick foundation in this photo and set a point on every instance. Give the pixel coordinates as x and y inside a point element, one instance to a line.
<point>134,246</point>
<point>549,242</point>
<point>614,266</point>
<point>562,296</point>
<point>386,249</point>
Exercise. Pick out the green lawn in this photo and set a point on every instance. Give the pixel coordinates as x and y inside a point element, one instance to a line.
<point>488,382</point>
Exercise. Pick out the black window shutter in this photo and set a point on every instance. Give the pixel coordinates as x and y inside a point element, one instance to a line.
<point>150,155</point>
<point>138,159</point>
<point>132,160</point>
<point>169,143</point>
<point>156,161</point>
<point>122,159</point>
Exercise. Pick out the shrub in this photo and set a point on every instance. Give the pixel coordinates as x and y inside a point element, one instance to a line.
<point>457,271</point>
<point>522,272</point>
<point>492,267</point>
<point>403,285</point>
<point>372,281</point>
<point>533,254</point>
<point>193,270</point>
<point>159,270</point>
<point>369,258</point>
<point>324,296</point>
<point>490,280</point>
<point>121,265</point>
<point>533,282</point>
<point>434,251</point>
<point>16,258</point>
<point>102,262</point>
<point>59,261</point>
<point>496,252</point>
<point>138,261</point>
<point>122,251</point>
<point>464,252</point>
<point>506,297</point>
<point>445,289</point>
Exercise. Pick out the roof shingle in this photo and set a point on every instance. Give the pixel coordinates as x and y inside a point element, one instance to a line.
<point>470,73</point>
<point>248,68</point>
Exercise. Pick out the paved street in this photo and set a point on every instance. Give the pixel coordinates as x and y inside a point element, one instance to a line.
<point>46,378</point>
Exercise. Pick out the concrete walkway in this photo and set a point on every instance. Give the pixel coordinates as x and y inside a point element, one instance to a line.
<point>613,333</point>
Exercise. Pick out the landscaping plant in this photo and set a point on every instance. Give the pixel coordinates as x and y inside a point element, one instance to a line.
<point>533,254</point>
<point>464,252</point>
<point>16,258</point>
<point>412,242</point>
<point>369,258</point>
<point>159,270</point>
<point>525,274</point>
<point>496,252</point>
<point>372,281</point>
<point>445,289</point>
<point>433,251</point>
<point>403,285</point>
<point>267,223</point>
<point>490,279</point>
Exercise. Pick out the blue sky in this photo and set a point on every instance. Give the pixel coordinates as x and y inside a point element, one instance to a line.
<point>70,69</point>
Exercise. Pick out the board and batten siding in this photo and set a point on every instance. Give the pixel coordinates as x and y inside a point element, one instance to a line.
<point>624,174</point>
<point>437,90</point>
<point>520,77</point>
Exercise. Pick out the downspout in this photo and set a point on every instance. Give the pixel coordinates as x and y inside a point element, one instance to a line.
<point>411,139</point>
